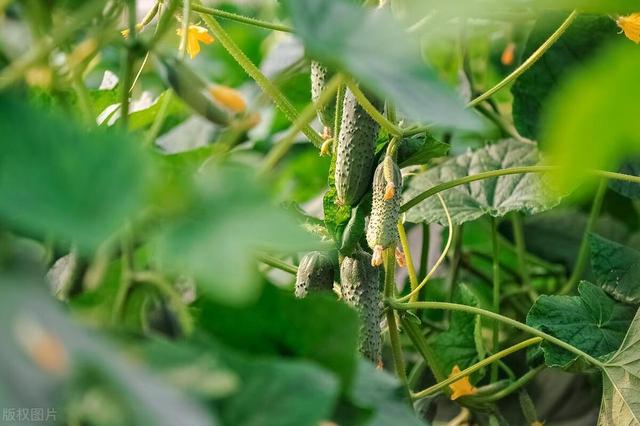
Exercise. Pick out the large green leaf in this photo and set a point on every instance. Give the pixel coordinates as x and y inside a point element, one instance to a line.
<point>215,236</point>
<point>381,393</point>
<point>617,268</point>
<point>461,343</point>
<point>592,122</point>
<point>59,180</point>
<point>529,193</point>
<point>372,47</point>
<point>420,149</point>
<point>621,381</point>
<point>591,322</point>
<point>533,88</point>
<point>314,328</point>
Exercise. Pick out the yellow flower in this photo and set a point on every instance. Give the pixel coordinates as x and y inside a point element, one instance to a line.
<point>631,26</point>
<point>461,387</point>
<point>228,97</point>
<point>537,423</point>
<point>195,34</point>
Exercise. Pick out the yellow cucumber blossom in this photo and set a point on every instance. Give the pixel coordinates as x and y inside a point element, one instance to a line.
<point>630,25</point>
<point>461,387</point>
<point>229,98</point>
<point>195,35</point>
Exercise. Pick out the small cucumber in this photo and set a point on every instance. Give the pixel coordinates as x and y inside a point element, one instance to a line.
<point>382,231</point>
<point>355,152</point>
<point>315,273</point>
<point>320,76</point>
<point>360,288</point>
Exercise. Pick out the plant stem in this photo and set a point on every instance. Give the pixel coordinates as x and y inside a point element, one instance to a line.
<point>165,287</point>
<point>521,250</point>
<point>421,344</point>
<point>475,367</point>
<point>240,18</point>
<point>387,125</point>
<point>529,62</point>
<point>413,279</point>
<point>495,327</point>
<point>516,385</point>
<point>126,72</point>
<point>498,317</point>
<point>126,265</point>
<point>307,115</point>
<point>504,172</point>
<point>394,337</point>
<point>265,84</point>
<point>338,116</point>
<point>424,250</point>
<point>274,262</point>
<point>583,252</point>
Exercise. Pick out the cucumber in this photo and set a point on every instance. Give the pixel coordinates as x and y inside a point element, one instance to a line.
<point>315,273</point>
<point>360,288</point>
<point>320,76</point>
<point>382,230</point>
<point>355,152</point>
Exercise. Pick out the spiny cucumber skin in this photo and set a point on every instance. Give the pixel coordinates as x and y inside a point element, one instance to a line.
<point>315,273</point>
<point>320,76</point>
<point>360,288</point>
<point>355,152</point>
<point>383,223</point>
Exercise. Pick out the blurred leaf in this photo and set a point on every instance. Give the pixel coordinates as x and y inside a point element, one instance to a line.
<point>461,344</point>
<point>42,350</point>
<point>222,225</point>
<point>314,328</point>
<point>58,180</point>
<point>279,393</point>
<point>529,193</point>
<point>144,118</point>
<point>621,381</point>
<point>419,150</point>
<point>373,48</point>
<point>628,189</point>
<point>383,395</point>
<point>617,268</point>
<point>303,176</point>
<point>532,89</point>
<point>591,322</point>
<point>575,140</point>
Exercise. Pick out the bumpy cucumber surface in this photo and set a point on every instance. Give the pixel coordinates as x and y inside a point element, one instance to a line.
<point>360,288</point>
<point>320,76</point>
<point>315,273</point>
<point>355,151</point>
<point>382,231</point>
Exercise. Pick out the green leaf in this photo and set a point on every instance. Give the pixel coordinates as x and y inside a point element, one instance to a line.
<point>420,150</point>
<point>591,322</point>
<point>621,381</point>
<point>314,328</point>
<point>533,88</point>
<point>628,189</point>
<point>617,268</point>
<point>383,395</point>
<point>221,226</point>
<point>144,118</point>
<point>277,392</point>
<point>371,46</point>
<point>59,180</point>
<point>461,344</point>
<point>575,140</point>
<point>303,176</point>
<point>529,193</point>
<point>336,217</point>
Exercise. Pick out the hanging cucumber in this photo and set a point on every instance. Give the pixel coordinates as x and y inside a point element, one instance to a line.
<point>315,273</point>
<point>355,152</point>
<point>360,288</point>
<point>382,231</point>
<point>320,76</point>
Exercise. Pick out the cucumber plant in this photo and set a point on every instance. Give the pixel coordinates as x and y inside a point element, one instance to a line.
<point>175,250</point>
